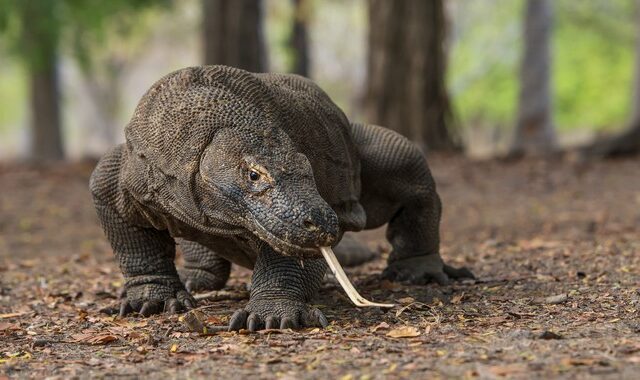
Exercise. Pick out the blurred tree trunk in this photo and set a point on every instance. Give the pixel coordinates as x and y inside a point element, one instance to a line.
<point>535,132</point>
<point>406,71</point>
<point>627,142</point>
<point>41,45</point>
<point>233,34</point>
<point>45,114</point>
<point>299,40</point>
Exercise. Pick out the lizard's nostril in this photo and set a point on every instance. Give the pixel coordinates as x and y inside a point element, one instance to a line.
<point>310,225</point>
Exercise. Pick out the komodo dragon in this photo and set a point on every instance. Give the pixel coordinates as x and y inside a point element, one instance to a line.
<point>259,170</point>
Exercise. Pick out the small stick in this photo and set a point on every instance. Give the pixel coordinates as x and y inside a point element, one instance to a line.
<point>222,295</point>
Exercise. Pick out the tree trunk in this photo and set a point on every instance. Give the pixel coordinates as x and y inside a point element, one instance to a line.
<point>40,46</point>
<point>627,142</point>
<point>299,40</point>
<point>233,34</point>
<point>406,71</point>
<point>45,114</point>
<point>535,132</point>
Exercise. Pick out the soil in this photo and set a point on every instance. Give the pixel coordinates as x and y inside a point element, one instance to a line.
<point>555,246</point>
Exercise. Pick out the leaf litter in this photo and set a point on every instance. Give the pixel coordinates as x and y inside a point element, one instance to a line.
<point>555,250</point>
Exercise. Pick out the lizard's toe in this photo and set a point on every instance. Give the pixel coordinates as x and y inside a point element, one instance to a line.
<point>462,272</point>
<point>238,320</point>
<point>314,317</point>
<point>151,307</point>
<point>149,299</point>
<point>273,322</point>
<point>276,317</point>
<point>200,280</point>
<point>420,270</point>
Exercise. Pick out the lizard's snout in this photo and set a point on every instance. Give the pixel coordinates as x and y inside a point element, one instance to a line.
<point>323,224</point>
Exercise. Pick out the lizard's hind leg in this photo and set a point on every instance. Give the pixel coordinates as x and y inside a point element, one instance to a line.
<point>203,270</point>
<point>398,189</point>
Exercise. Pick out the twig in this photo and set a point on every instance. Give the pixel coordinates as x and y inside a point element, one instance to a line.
<point>222,295</point>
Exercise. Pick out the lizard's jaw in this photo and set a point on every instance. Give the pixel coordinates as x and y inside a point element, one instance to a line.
<point>285,247</point>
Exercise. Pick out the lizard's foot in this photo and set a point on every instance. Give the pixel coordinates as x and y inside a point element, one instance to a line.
<point>273,314</point>
<point>155,295</point>
<point>201,280</point>
<point>423,269</point>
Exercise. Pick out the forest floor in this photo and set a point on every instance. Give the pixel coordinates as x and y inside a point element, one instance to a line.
<point>555,246</point>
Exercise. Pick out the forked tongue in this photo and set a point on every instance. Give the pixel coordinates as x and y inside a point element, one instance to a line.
<point>338,272</point>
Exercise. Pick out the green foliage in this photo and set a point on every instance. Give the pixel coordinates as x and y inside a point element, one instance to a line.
<point>482,72</point>
<point>593,58</point>
<point>12,94</point>
<point>34,29</point>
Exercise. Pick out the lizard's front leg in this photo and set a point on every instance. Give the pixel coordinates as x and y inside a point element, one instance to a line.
<point>146,259</point>
<point>281,288</point>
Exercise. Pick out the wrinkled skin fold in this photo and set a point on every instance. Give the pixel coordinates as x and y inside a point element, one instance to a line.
<point>259,170</point>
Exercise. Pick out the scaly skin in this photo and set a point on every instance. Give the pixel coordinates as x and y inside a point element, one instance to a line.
<point>397,188</point>
<point>203,270</point>
<point>280,291</point>
<point>259,170</point>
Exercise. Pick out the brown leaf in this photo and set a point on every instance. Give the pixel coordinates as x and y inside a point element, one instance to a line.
<point>457,298</point>
<point>406,300</point>
<point>388,285</point>
<point>6,326</point>
<point>380,326</point>
<point>194,320</point>
<point>404,332</point>
<point>95,339</point>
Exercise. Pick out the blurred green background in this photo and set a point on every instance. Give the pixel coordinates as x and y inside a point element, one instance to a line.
<point>593,58</point>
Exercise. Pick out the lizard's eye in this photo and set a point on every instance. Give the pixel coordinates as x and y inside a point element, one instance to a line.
<point>254,175</point>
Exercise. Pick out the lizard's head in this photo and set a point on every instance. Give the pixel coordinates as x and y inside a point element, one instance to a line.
<point>265,186</point>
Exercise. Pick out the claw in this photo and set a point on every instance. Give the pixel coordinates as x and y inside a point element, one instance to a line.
<point>272,322</point>
<point>238,320</point>
<point>462,272</point>
<point>172,306</point>
<point>186,300</point>
<point>125,308</point>
<point>253,322</point>
<point>421,269</point>
<point>318,317</point>
<point>288,323</point>
<point>149,308</point>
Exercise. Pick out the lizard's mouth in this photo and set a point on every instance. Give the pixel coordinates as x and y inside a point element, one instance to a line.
<point>284,247</point>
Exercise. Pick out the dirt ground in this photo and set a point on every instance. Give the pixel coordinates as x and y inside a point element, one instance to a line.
<point>555,246</point>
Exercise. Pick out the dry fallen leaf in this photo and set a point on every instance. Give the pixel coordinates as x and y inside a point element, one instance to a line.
<point>194,320</point>
<point>406,300</point>
<point>95,339</point>
<point>380,326</point>
<point>404,332</point>
<point>457,298</point>
<point>6,326</point>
